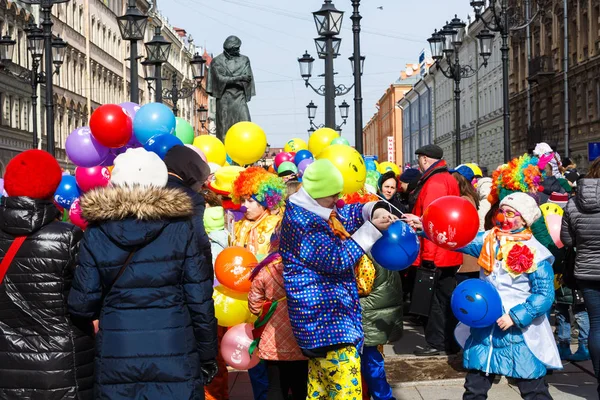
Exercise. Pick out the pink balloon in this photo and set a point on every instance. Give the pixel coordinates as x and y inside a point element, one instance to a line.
<point>90,178</point>
<point>554,223</point>
<point>282,157</point>
<point>235,345</point>
<point>197,150</point>
<point>76,216</point>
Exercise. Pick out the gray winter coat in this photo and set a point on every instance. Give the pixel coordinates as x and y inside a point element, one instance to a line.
<point>581,229</point>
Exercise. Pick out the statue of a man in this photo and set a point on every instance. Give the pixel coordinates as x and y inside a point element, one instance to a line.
<point>231,82</point>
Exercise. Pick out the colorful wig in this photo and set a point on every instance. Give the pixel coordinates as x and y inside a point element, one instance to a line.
<point>521,174</point>
<point>267,189</point>
<point>359,197</point>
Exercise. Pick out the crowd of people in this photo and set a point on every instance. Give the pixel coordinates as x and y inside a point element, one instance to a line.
<point>125,309</point>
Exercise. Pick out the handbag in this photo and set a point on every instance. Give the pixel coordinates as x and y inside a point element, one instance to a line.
<point>422,293</point>
<point>123,268</point>
<point>10,254</point>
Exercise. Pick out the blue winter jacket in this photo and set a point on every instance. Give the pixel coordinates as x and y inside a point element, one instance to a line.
<point>157,322</point>
<point>505,352</point>
<point>323,301</point>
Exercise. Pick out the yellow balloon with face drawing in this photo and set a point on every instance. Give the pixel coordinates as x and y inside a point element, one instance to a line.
<point>350,163</point>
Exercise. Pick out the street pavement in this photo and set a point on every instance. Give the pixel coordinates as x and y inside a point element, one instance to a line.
<point>575,381</point>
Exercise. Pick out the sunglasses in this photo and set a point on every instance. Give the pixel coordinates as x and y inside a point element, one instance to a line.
<point>509,213</point>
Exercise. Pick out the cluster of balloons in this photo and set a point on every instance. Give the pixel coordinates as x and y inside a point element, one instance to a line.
<point>373,174</point>
<point>233,267</point>
<point>294,158</point>
<point>476,303</point>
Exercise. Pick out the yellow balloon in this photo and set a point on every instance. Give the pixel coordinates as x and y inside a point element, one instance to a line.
<point>231,307</point>
<point>551,208</point>
<point>212,148</point>
<point>320,139</point>
<point>350,163</point>
<point>295,145</point>
<point>475,168</point>
<point>245,143</point>
<point>388,166</point>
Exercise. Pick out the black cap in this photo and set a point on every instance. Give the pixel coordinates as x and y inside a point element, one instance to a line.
<point>431,151</point>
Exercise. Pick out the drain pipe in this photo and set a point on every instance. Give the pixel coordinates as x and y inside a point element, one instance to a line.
<point>566,78</point>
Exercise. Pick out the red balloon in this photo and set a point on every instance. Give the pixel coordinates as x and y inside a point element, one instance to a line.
<point>282,157</point>
<point>111,126</point>
<point>451,222</point>
<point>91,178</point>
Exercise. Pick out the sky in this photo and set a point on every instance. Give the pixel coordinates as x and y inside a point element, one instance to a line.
<point>275,33</point>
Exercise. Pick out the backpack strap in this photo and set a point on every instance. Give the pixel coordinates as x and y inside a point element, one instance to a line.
<point>10,255</point>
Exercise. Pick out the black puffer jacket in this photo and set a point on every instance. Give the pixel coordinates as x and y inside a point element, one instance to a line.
<point>581,229</point>
<point>44,354</point>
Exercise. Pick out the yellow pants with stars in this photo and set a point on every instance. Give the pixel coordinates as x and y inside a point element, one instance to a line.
<point>337,376</point>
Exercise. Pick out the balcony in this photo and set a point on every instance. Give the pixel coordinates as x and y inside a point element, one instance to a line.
<point>540,67</point>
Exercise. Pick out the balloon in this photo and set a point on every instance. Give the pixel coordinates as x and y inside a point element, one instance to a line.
<point>83,149</point>
<point>281,158</point>
<point>320,139</point>
<point>130,109</point>
<point>476,303</point>
<point>75,215</point>
<point>370,163</point>
<point>184,130</point>
<point>350,163</point>
<point>554,223</point>
<point>340,140</point>
<point>67,191</point>
<point>161,144</point>
<point>302,155</point>
<point>475,168</point>
<point>233,267</point>
<point>551,208</point>
<point>388,166</point>
<point>398,248</point>
<point>212,147</point>
<point>228,159</point>
<point>235,345</point>
<point>303,164</point>
<point>197,150</point>
<point>153,119</point>
<point>231,307</point>
<point>93,177</point>
<point>295,145</point>
<point>287,166</point>
<point>245,142</point>
<point>451,222</point>
<point>111,126</point>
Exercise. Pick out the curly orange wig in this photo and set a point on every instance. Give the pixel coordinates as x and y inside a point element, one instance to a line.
<point>521,174</point>
<point>264,187</point>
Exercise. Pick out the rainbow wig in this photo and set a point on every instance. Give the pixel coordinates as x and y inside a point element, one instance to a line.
<point>521,174</point>
<point>264,187</point>
<point>359,197</point>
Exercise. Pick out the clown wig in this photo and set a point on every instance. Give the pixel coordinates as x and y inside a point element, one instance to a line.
<point>521,174</point>
<point>262,186</point>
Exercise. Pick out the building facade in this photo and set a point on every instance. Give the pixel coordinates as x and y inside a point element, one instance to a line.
<point>417,120</point>
<point>550,113</point>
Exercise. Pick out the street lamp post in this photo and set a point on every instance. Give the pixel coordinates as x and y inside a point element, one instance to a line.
<point>202,114</point>
<point>133,26</point>
<point>198,64</point>
<point>312,113</point>
<point>158,53</point>
<point>445,45</point>
<point>357,60</point>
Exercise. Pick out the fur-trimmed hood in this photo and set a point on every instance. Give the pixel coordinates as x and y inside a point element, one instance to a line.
<point>147,204</point>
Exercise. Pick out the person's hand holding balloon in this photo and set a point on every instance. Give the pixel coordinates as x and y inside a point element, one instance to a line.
<point>413,221</point>
<point>382,219</point>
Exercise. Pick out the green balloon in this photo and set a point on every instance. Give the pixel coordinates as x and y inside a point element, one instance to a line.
<point>287,166</point>
<point>340,140</point>
<point>184,131</point>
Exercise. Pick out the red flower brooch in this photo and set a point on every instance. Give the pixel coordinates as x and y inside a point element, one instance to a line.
<point>519,260</point>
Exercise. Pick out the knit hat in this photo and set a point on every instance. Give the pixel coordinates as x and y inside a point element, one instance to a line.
<point>410,175</point>
<point>560,199</point>
<point>525,205</point>
<point>464,171</point>
<point>214,219</point>
<point>138,167</point>
<point>186,164</point>
<point>322,179</point>
<point>33,173</point>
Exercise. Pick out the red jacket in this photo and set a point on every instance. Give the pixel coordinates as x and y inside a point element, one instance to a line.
<point>435,183</point>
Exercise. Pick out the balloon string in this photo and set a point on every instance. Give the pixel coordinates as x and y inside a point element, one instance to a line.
<point>391,205</point>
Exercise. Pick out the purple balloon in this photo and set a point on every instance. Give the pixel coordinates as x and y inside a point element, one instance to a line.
<point>130,109</point>
<point>303,164</point>
<point>84,150</point>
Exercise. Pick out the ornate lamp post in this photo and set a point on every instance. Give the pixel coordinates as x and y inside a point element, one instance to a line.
<point>445,45</point>
<point>133,26</point>
<point>158,53</point>
<point>7,49</point>
<point>312,113</point>
<point>198,64</point>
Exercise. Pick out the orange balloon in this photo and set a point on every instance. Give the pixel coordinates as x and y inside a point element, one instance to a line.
<point>233,267</point>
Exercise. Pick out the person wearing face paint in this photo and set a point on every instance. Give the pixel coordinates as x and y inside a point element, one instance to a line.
<point>321,242</point>
<point>262,195</point>
<point>521,344</point>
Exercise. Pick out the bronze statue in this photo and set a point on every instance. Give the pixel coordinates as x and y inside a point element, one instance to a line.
<point>231,83</point>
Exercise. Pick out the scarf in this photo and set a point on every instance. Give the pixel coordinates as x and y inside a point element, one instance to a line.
<point>487,257</point>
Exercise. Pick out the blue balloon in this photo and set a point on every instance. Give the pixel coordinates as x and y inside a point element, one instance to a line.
<point>302,155</point>
<point>370,163</point>
<point>476,303</point>
<point>161,144</point>
<point>398,248</point>
<point>153,119</point>
<point>228,159</point>
<point>67,192</point>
